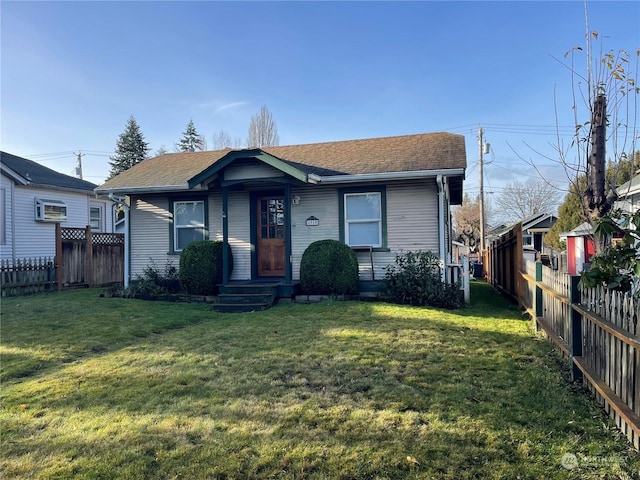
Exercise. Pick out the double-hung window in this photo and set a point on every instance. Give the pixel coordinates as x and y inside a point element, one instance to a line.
<point>188,223</point>
<point>95,218</point>
<point>363,215</point>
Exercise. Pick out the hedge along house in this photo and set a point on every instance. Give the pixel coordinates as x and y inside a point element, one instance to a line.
<point>381,196</point>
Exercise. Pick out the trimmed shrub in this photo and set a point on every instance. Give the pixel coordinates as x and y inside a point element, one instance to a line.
<point>154,282</point>
<point>329,267</point>
<point>201,267</point>
<point>414,279</point>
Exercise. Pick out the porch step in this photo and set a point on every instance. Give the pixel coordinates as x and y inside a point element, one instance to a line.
<point>249,297</point>
<point>246,298</point>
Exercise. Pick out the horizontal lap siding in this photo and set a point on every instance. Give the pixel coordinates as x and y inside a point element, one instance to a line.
<point>37,239</point>
<point>319,202</point>
<point>150,221</point>
<point>239,234</point>
<point>412,223</point>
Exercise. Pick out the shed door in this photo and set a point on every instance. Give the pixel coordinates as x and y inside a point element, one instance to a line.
<point>271,236</point>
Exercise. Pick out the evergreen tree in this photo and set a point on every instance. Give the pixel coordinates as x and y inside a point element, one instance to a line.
<point>130,149</point>
<point>190,141</point>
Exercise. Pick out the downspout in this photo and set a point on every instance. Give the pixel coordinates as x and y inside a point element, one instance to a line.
<point>441,225</point>
<point>13,223</point>
<point>127,237</point>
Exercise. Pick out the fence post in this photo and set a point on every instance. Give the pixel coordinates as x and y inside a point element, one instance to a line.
<point>576,327</point>
<point>539,312</point>
<point>58,257</point>
<point>89,244</point>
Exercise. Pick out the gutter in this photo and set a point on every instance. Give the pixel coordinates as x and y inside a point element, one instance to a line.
<point>383,177</point>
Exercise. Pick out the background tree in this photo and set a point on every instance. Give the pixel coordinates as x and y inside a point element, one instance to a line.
<point>160,151</point>
<point>263,131</point>
<point>190,141</point>
<point>605,101</point>
<point>130,149</point>
<point>571,211</point>
<point>466,221</point>
<point>222,140</point>
<point>520,200</point>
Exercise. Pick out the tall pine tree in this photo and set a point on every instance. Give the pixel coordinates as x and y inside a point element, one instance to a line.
<point>190,141</point>
<point>130,148</point>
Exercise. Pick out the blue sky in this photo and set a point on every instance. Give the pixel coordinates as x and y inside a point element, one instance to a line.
<point>73,72</point>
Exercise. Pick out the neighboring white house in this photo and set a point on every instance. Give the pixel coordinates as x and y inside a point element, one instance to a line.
<point>33,198</point>
<point>629,195</point>
<point>381,196</point>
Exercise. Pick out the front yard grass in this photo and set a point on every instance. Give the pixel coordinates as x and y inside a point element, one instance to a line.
<point>114,388</point>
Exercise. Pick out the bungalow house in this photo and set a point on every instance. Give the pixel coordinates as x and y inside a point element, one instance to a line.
<point>380,196</point>
<point>534,228</point>
<point>580,247</point>
<point>629,195</point>
<point>33,198</point>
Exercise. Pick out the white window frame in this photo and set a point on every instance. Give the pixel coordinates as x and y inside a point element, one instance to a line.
<point>193,226</point>
<point>100,210</point>
<point>50,210</point>
<point>348,223</point>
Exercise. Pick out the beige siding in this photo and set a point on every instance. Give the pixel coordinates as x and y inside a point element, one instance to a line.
<point>322,203</point>
<point>251,170</point>
<point>150,234</point>
<point>412,223</point>
<point>239,230</point>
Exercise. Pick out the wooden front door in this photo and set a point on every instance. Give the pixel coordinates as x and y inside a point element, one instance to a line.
<point>271,236</point>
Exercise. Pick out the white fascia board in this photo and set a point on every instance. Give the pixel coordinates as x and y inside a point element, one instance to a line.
<point>386,176</point>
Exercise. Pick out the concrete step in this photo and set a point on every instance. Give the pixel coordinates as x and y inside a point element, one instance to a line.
<point>246,298</point>
<point>240,307</point>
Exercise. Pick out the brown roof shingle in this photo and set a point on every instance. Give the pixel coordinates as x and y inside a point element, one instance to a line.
<point>427,151</point>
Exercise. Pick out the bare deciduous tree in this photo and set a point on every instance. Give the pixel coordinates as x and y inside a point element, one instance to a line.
<point>222,139</point>
<point>263,131</point>
<point>466,221</point>
<point>520,200</point>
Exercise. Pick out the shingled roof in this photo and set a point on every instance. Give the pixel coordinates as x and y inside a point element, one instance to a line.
<point>33,173</point>
<point>420,152</point>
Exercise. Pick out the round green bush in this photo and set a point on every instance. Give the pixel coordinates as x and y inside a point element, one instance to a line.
<point>201,267</point>
<point>329,267</point>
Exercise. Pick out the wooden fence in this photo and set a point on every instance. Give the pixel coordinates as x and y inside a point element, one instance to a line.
<point>28,275</point>
<point>83,258</point>
<point>598,331</point>
<point>88,258</point>
<point>503,261</point>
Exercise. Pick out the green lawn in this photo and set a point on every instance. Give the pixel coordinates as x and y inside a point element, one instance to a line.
<point>113,388</point>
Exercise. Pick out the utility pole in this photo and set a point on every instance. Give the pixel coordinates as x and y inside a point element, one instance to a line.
<point>481,198</point>
<point>79,167</point>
